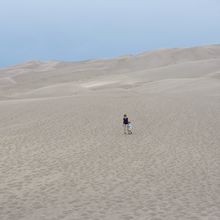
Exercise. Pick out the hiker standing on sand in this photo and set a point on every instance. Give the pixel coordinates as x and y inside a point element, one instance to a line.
<point>125,123</point>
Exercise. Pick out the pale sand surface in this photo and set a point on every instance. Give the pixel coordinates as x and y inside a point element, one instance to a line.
<point>64,155</point>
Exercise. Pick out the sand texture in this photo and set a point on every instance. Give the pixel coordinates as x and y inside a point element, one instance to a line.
<point>64,155</point>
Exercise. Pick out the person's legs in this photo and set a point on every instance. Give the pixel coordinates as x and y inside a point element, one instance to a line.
<point>125,128</point>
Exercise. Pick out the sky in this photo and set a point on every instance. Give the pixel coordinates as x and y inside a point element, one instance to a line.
<point>74,30</point>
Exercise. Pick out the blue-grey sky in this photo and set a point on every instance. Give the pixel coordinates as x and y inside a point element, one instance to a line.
<point>90,29</point>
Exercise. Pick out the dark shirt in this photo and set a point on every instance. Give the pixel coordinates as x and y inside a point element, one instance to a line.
<point>125,120</point>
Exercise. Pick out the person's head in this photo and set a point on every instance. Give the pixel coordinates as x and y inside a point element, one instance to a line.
<point>125,115</point>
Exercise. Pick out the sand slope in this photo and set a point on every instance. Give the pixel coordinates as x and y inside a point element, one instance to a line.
<point>64,154</point>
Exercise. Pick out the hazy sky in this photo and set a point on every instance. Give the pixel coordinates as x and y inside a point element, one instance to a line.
<point>88,29</point>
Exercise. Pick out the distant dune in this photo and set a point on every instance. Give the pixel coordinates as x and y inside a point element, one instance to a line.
<point>55,78</point>
<point>64,154</point>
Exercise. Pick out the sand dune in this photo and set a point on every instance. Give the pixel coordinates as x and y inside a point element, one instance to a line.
<point>64,154</point>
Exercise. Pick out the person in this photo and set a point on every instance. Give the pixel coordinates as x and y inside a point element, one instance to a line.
<point>130,127</point>
<point>125,123</point>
